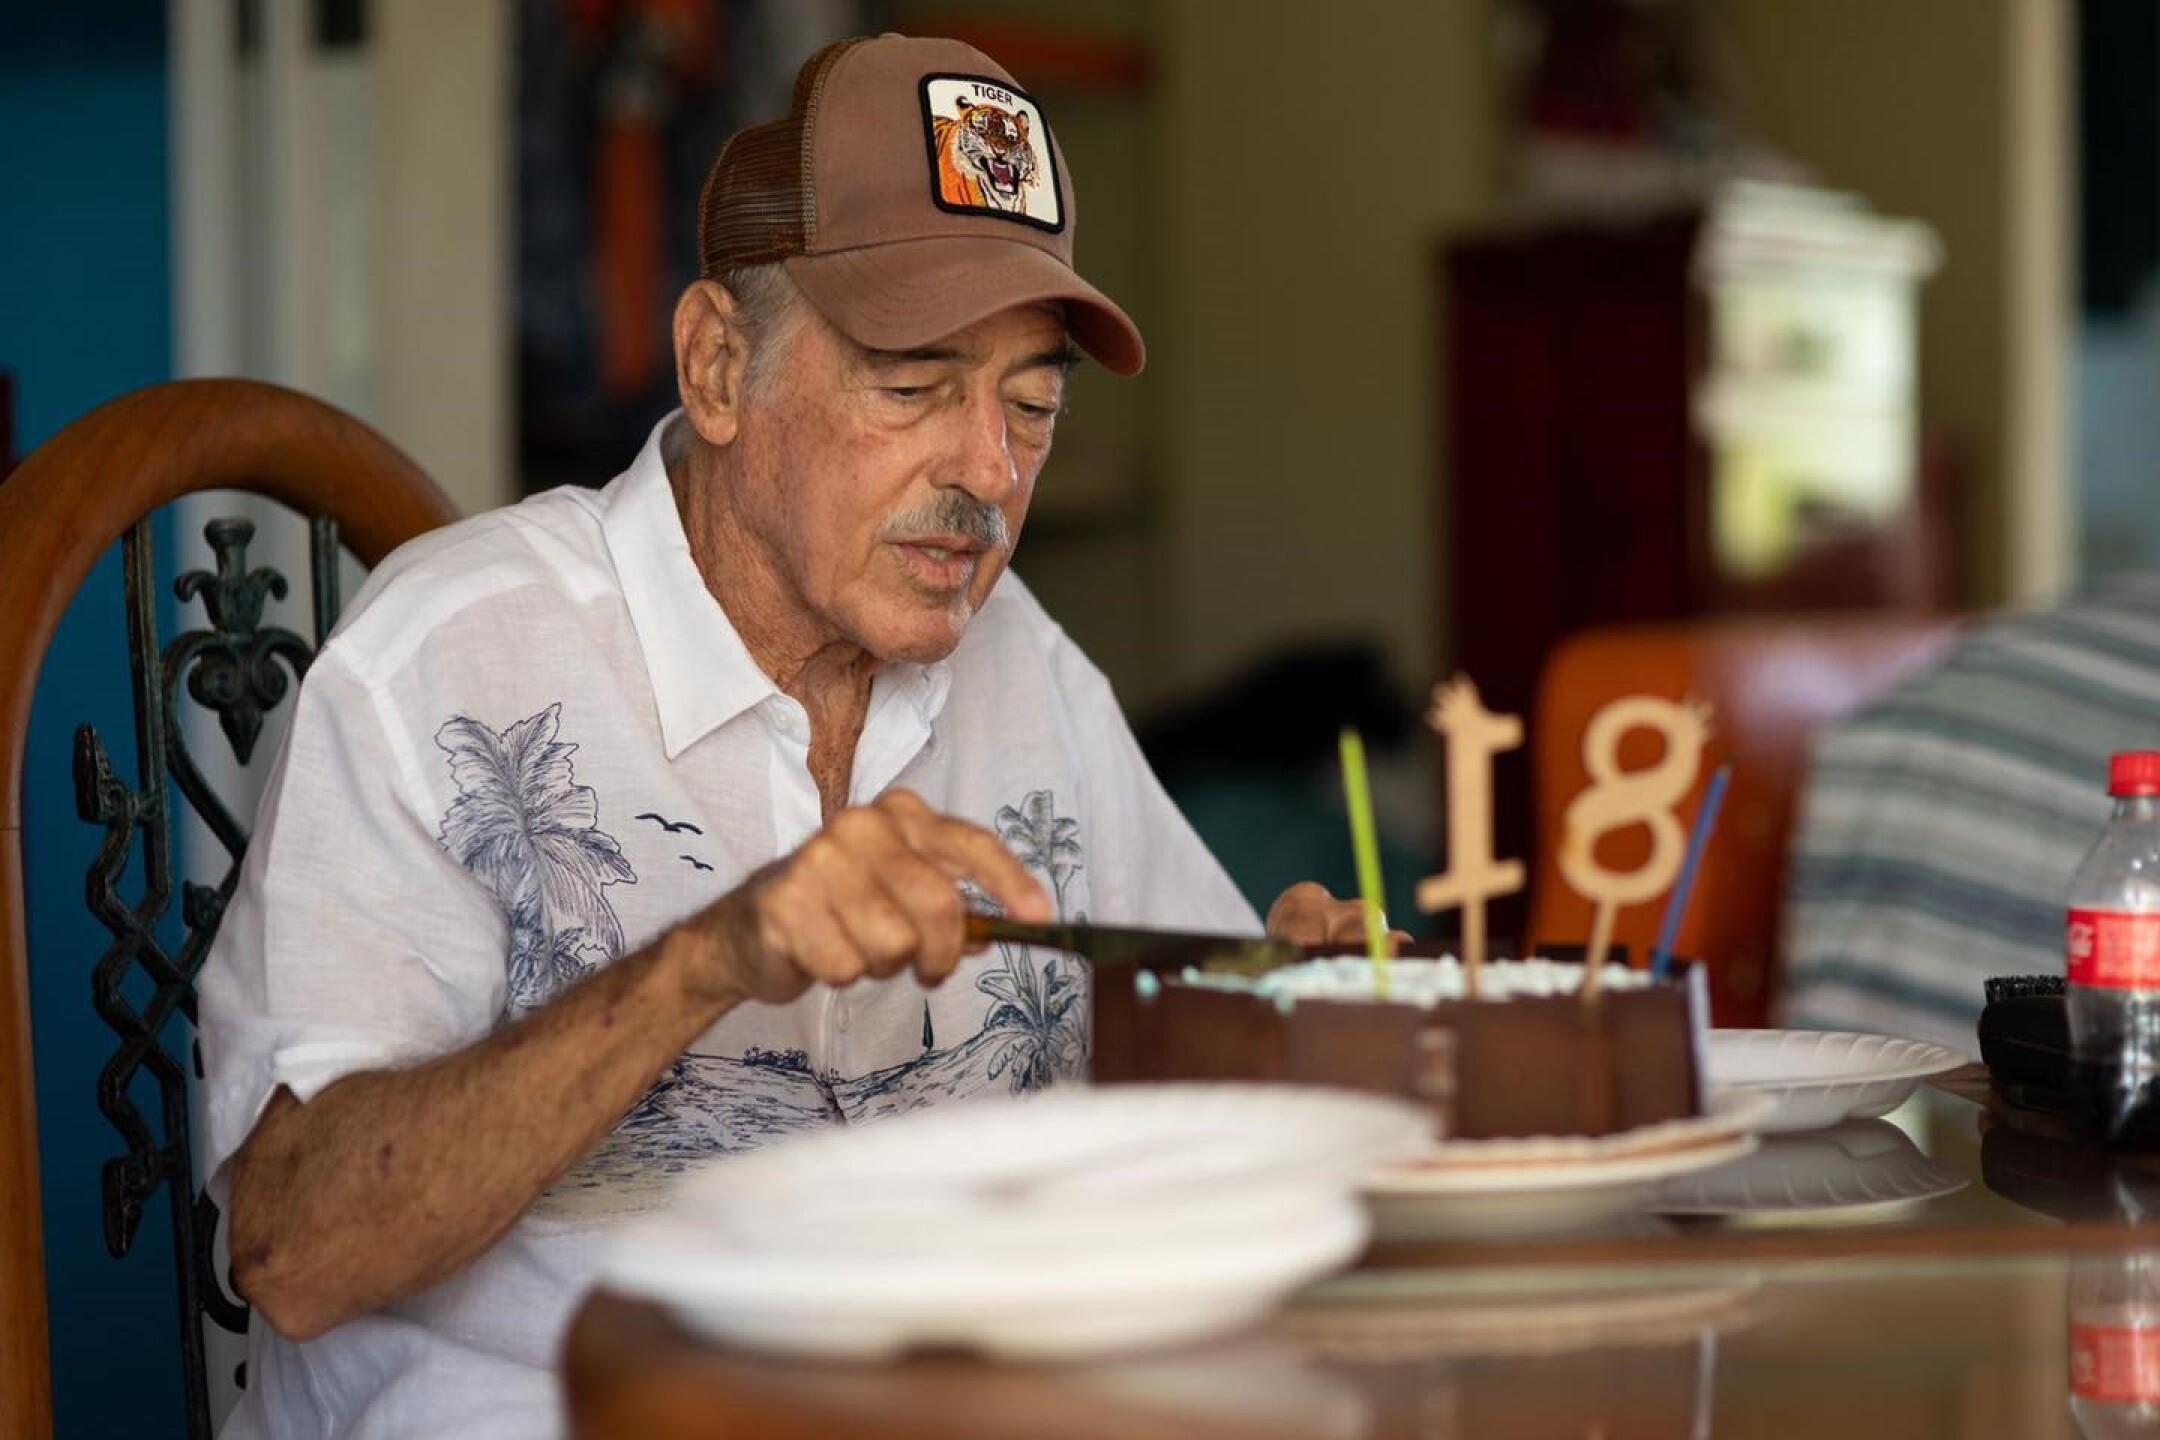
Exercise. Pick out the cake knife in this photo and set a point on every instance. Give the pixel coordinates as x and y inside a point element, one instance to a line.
<point>1156,950</point>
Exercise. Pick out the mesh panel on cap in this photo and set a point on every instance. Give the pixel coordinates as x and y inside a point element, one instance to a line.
<point>757,205</point>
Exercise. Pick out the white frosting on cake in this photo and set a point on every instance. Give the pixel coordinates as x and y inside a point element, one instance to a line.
<point>1413,982</point>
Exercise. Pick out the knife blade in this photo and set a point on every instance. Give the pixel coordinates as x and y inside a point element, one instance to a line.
<point>1156,950</point>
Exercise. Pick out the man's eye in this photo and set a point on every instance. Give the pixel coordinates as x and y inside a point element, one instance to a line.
<point>1036,410</point>
<point>906,392</point>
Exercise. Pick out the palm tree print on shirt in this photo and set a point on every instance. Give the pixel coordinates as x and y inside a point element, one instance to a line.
<point>526,830</point>
<point>1042,839</point>
<point>1041,1014</point>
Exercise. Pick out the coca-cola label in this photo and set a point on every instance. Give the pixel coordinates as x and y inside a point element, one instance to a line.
<point>2115,1364</point>
<point>2113,950</point>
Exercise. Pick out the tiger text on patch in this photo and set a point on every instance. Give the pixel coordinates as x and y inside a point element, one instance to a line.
<point>989,151</point>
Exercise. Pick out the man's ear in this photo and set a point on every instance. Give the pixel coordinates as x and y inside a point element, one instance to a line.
<point>712,356</point>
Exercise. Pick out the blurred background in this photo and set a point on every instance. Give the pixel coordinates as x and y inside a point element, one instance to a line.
<point>1471,323</point>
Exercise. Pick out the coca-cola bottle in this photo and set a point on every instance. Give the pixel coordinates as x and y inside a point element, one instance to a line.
<point>2115,1346</point>
<point>2112,948</point>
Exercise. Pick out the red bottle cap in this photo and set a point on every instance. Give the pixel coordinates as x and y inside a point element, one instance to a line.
<point>2134,772</point>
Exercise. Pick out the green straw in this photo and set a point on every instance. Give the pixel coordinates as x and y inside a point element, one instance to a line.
<point>1358,791</point>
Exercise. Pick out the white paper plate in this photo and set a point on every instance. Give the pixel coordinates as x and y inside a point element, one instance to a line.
<point>1505,1202</point>
<point>1819,1077</point>
<point>1552,1185</point>
<point>1077,1222</point>
<point>1852,1165</point>
<point>1730,1112</point>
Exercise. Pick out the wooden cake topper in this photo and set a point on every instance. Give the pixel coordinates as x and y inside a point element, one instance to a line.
<point>1474,735</point>
<point>1616,799</point>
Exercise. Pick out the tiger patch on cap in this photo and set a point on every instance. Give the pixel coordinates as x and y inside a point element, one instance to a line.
<point>989,151</point>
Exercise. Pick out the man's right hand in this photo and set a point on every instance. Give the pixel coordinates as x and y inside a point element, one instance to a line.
<point>872,894</point>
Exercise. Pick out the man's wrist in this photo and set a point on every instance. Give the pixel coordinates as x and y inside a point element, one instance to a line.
<point>698,960</point>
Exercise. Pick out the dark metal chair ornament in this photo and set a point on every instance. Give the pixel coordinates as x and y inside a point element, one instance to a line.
<point>237,669</point>
<point>94,484</point>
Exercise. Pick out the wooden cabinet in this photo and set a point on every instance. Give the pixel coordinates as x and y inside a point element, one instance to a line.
<point>1695,415</point>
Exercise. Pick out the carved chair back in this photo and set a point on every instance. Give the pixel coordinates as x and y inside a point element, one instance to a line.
<point>94,484</point>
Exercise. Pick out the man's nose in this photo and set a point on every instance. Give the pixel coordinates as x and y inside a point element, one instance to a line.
<point>984,465</point>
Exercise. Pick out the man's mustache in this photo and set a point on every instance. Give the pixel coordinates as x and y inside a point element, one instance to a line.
<point>952,513</point>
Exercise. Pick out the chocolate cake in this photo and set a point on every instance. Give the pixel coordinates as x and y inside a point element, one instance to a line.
<point>1529,1057</point>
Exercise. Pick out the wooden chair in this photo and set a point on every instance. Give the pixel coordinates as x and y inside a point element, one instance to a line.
<point>93,484</point>
<point>1771,684</point>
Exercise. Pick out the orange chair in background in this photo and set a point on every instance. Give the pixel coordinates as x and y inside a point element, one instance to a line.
<point>1771,684</point>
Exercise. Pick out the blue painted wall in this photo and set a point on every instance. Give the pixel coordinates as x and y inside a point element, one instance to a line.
<point>85,307</point>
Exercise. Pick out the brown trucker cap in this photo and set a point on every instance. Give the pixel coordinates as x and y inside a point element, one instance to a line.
<point>911,190</point>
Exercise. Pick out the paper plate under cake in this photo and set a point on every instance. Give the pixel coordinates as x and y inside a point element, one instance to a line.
<point>1552,1184</point>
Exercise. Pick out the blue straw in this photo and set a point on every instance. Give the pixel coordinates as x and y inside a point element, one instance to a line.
<point>1698,841</point>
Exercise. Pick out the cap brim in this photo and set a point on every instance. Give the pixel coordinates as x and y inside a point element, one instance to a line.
<point>914,292</point>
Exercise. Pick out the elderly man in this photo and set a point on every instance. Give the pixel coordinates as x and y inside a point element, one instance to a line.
<point>618,829</point>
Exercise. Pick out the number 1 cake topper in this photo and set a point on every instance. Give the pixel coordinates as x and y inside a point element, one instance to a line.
<point>1616,799</point>
<point>1474,735</point>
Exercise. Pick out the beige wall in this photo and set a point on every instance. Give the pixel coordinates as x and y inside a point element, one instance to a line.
<point>1313,154</point>
<point>443,370</point>
<point>1951,111</point>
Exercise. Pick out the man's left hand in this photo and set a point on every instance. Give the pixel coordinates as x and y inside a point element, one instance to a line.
<point>1308,915</point>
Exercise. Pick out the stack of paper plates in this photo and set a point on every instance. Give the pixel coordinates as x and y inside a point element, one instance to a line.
<point>1072,1222</point>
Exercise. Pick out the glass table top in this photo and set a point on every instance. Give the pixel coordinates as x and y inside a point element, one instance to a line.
<point>1956,1271</point>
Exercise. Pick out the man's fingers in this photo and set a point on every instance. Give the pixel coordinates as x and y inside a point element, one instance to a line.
<point>970,851</point>
<point>920,889</point>
<point>1346,921</point>
<point>1299,914</point>
<point>797,929</point>
<point>875,891</point>
<point>1308,915</point>
<point>846,864</point>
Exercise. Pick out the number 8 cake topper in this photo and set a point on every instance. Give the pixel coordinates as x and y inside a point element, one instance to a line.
<point>1616,799</point>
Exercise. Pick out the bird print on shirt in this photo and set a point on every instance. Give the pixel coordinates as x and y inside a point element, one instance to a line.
<point>673,827</point>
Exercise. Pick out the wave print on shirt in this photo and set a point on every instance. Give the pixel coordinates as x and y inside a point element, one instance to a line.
<point>529,832</point>
<point>1038,1041</point>
<point>707,1106</point>
<point>703,1106</point>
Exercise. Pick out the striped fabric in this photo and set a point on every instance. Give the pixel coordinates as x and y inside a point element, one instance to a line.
<point>1938,830</point>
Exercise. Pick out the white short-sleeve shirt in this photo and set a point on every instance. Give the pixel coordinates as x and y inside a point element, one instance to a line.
<point>534,743</point>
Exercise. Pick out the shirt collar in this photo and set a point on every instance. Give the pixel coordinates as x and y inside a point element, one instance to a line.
<point>701,672</point>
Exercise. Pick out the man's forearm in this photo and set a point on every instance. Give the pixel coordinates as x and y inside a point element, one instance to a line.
<point>390,1181</point>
